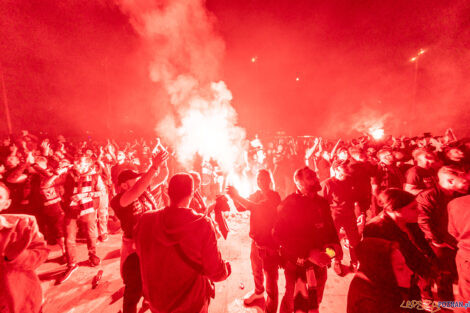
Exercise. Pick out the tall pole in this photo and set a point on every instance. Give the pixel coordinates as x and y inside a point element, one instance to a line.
<point>5,102</point>
<point>415,60</point>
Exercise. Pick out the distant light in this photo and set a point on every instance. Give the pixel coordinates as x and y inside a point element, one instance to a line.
<point>297,79</point>
<point>253,59</point>
<point>421,51</point>
<point>413,59</point>
<point>376,133</point>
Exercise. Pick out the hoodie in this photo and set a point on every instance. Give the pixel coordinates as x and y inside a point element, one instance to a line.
<point>171,283</point>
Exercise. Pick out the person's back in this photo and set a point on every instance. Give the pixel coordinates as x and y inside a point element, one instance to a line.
<point>178,252</point>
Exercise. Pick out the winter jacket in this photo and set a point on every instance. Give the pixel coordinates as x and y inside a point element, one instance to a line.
<point>304,224</point>
<point>374,288</point>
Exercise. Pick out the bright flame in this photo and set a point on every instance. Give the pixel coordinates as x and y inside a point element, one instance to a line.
<point>242,183</point>
<point>207,126</point>
<point>297,79</point>
<point>376,133</point>
<point>253,59</point>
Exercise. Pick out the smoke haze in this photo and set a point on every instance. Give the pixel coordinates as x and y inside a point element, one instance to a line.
<point>110,67</point>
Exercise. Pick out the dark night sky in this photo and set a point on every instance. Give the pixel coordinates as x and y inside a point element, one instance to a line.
<point>69,64</point>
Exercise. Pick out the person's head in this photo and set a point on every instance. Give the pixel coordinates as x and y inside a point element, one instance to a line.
<point>385,156</point>
<point>82,164</point>
<point>398,155</point>
<point>12,161</point>
<point>423,158</point>
<point>342,154</point>
<point>121,157</point>
<point>399,204</point>
<point>382,262</point>
<point>455,154</point>
<point>357,154</point>
<point>264,180</point>
<point>371,152</point>
<point>340,170</point>
<point>180,190</point>
<point>127,179</point>
<point>5,200</point>
<point>306,181</point>
<point>41,162</point>
<point>453,179</point>
<point>196,179</point>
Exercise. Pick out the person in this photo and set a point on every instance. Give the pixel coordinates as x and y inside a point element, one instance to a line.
<point>340,194</point>
<point>421,176</point>
<point>361,173</point>
<point>80,186</point>
<point>133,200</point>
<point>383,282</point>
<point>178,253</point>
<point>386,175</point>
<point>433,221</point>
<point>22,249</point>
<point>308,240</point>
<point>459,227</point>
<point>399,222</point>
<point>46,198</point>
<point>264,252</point>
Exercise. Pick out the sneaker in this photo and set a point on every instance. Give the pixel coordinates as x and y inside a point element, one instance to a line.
<point>252,297</point>
<point>103,238</point>
<point>94,260</point>
<point>338,268</point>
<point>68,272</point>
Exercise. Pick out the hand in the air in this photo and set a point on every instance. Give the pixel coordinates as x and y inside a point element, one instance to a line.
<point>159,158</point>
<point>232,192</point>
<point>18,240</point>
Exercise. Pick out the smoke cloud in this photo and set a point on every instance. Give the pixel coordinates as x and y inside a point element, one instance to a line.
<point>186,55</point>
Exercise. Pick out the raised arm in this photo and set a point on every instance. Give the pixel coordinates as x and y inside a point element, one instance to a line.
<point>144,182</point>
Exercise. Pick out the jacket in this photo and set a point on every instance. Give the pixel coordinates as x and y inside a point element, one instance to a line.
<point>165,240</point>
<point>20,288</point>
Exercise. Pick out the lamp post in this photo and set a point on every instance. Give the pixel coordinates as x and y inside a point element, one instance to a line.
<point>415,60</point>
<point>5,101</point>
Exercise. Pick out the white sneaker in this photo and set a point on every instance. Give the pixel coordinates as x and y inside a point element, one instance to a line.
<point>252,297</point>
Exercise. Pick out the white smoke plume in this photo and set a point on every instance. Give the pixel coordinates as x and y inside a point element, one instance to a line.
<point>186,54</point>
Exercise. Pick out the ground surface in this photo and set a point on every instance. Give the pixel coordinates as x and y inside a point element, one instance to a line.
<point>76,294</point>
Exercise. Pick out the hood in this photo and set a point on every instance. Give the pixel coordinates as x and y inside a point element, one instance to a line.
<point>174,224</point>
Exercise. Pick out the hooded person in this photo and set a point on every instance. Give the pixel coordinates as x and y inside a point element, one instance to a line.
<point>179,257</point>
<point>383,282</point>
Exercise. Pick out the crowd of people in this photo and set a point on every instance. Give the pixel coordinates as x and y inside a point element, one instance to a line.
<point>396,206</point>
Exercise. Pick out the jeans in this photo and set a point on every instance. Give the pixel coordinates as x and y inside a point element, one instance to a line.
<point>448,271</point>
<point>132,282</point>
<point>71,228</point>
<point>103,215</point>
<point>297,278</point>
<point>463,268</point>
<point>349,223</point>
<point>265,262</point>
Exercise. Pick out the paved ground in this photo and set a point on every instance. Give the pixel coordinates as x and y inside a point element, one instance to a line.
<point>76,295</point>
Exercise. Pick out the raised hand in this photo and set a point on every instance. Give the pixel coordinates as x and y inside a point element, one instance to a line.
<point>159,158</point>
<point>232,192</point>
<point>19,239</point>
